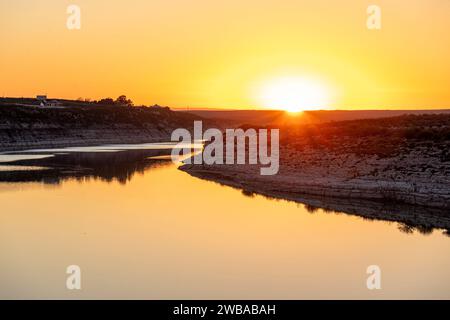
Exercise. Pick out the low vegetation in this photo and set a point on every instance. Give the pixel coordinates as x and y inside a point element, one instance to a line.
<point>384,136</point>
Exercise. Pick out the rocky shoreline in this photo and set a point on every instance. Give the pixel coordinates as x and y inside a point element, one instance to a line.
<point>408,179</point>
<point>402,160</point>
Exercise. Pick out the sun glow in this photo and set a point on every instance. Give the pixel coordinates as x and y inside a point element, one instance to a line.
<point>294,94</point>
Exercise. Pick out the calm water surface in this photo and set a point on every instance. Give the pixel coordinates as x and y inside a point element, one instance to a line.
<point>140,228</point>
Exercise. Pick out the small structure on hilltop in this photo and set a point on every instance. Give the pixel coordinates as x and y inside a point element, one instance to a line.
<point>43,102</point>
<point>54,103</point>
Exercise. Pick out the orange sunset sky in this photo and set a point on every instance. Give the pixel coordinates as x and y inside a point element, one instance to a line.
<point>228,54</point>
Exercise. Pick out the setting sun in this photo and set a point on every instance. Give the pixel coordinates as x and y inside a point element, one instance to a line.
<point>294,94</point>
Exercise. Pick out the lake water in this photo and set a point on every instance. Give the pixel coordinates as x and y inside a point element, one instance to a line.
<point>140,228</point>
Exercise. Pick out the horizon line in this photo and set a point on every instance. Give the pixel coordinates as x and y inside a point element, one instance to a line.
<point>188,108</point>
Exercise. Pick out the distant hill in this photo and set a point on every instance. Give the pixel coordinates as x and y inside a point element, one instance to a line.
<point>274,117</point>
